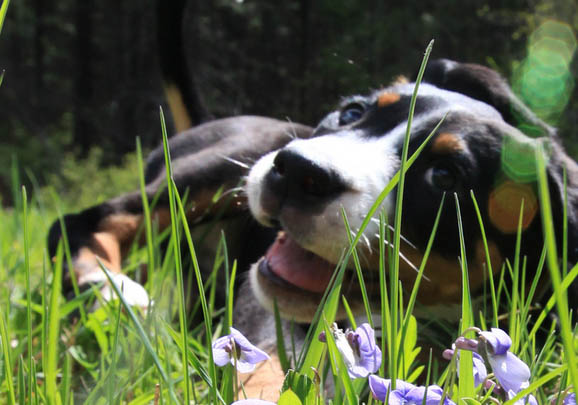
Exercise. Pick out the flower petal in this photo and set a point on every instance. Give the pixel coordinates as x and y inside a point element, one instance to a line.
<point>357,372</point>
<point>396,398</point>
<point>221,356</point>
<point>254,355</point>
<point>244,366</point>
<point>379,387</point>
<point>498,340</point>
<point>465,344</point>
<point>240,340</point>
<point>369,352</point>
<point>403,387</point>
<point>434,396</point>
<point>510,371</point>
<point>416,395</point>
<point>480,371</point>
<point>570,399</point>
<point>527,400</point>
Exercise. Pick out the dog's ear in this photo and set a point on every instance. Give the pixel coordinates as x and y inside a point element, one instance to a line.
<point>484,84</point>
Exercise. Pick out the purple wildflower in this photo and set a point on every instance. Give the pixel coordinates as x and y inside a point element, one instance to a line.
<point>380,386</point>
<point>405,393</point>
<point>512,373</point>
<point>358,350</point>
<point>480,371</point>
<point>237,350</point>
<point>527,400</point>
<point>570,399</point>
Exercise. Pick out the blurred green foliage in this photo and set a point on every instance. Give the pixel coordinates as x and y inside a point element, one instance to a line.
<point>86,74</point>
<point>81,183</point>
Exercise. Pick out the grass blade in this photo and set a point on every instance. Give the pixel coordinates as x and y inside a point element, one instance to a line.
<point>8,370</point>
<point>146,212</point>
<point>358,270</point>
<point>3,10</point>
<point>488,261</point>
<point>28,290</point>
<point>552,260</point>
<point>141,333</point>
<point>281,352</point>
<point>173,194</point>
<point>53,335</point>
<point>466,380</point>
<point>394,294</point>
<point>338,362</point>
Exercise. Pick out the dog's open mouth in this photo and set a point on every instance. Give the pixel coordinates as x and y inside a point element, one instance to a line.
<point>286,261</point>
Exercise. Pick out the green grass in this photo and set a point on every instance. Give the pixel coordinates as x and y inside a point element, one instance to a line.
<point>57,351</point>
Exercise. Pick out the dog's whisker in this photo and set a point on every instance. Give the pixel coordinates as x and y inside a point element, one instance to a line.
<point>410,264</point>
<point>234,190</point>
<point>366,240</point>
<point>385,241</point>
<point>403,257</point>
<point>292,133</point>
<point>236,162</point>
<point>406,240</point>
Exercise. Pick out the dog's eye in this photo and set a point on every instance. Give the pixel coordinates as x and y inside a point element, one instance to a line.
<point>442,177</point>
<point>351,113</point>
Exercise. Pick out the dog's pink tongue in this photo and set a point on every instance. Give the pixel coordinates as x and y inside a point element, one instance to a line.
<point>297,266</point>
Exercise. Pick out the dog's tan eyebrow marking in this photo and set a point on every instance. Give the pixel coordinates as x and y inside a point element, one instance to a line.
<point>447,143</point>
<point>386,98</point>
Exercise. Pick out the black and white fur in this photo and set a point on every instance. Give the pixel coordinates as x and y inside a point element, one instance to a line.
<point>302,178</point>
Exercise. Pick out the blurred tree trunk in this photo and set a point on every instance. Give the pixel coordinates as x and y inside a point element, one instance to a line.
<point>304,54</point>
<point>39,49</point>
<point>182,93</point>
<point>84,129</point>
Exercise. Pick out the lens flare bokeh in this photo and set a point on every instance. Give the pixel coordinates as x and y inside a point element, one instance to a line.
<point>505,203</point>
<point>544,80</point>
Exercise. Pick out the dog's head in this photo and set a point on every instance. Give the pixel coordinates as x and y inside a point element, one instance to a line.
<point>355,152</point>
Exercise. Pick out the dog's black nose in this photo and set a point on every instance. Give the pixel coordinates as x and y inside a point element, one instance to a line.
<point>299,181</point>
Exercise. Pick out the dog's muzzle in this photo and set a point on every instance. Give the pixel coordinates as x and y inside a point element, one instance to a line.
<point>298,182</point>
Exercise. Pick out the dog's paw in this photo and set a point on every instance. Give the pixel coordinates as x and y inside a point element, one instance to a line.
<point>134,293</point>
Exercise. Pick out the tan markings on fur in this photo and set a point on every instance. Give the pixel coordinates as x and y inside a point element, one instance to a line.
<point>265,382</point>
<point>115,235</point>
<point>122,226</point>
<point>401,79</point>
<point>386,98</point>
<point>445,275</point>
<point>504,206</point>
<point>446,143</point>
<point>181,117</point>
<point>495,256</point>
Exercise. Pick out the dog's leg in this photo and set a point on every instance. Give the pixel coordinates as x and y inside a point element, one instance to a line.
<point>211,158</point>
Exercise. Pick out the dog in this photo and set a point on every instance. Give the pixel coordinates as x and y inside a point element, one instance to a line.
<point>296,181</point>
